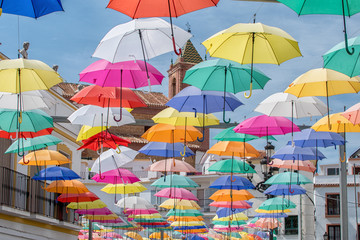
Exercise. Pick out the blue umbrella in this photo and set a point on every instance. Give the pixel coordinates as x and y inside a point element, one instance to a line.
<point>194,237</point>
<point>56,173</point>
<point>226,182</point>
<point>192,99</point>
<point>281,189</point>
<point>311,138</point>
<point>225,212</point>
<point>30,8</point>
<point>188,227</point>
<point>271,215</point>
<point>262,234</point>
<point>290,152</point>
<point>164,149</point>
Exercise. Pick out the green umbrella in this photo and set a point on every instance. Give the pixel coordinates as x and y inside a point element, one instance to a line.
<point>31,144</point>
<point>184,213</point>
<point>175,180</point>
<point>226,223</point>
<point>288,178</point>
<point>231,166</point>
<point>333,7</point>
<point>277,204</point>
<point>32,120</point>
<point>148,220</point>
<point>226,76</point>
<point>339,60</point>
<point>229,135</point>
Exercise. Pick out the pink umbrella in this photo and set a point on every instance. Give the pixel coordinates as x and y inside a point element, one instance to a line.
<point>95,211</point>
<point>264,125</point>
<point>113,235</point>
<point>227,229</point>
<point>235,204</point>
<point>294,165</point>
<point>116,176</point>
<point>171,165</point>
<point>353,114</point>
<point>130,74</point>
<point>177,193</point>
<point>118,220</point>
<point>141,211</point>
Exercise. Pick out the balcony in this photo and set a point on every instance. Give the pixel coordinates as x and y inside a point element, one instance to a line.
<point>23,197</point>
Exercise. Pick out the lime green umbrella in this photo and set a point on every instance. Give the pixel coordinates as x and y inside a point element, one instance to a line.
<point>288,178</point>
<point>277,203</point>
<point>31,144</point>
<point>174,180</point>
<point>185,213</point>
<point>333,7</point>
<point>231,166</point>
<point>339,60</point>
<point>229,135</point>
<point>226,223</point>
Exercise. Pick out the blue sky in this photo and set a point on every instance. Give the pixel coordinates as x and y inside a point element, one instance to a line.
<point>69,38</point>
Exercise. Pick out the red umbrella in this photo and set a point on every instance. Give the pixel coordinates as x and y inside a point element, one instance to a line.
<point>74,197</point>
<point>103,139</point>
<point>46,131</point>
<point>108,97</point>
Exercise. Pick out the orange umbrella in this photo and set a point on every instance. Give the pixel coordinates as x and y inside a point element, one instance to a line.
<point>44,157</point>
<point>171,165</point>
<point>234,149</point>
<point>294,165</point>
<point>184,219</point>
<point>67,186</point>
<point>171,134</point>
<point>267,223</point>
<point>227,195</point>
<point>157,235</point>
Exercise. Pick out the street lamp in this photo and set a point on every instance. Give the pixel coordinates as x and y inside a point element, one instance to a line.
<point>326,236</point>
<point>269,149</point>
<point>263,165</point>
<point>250,175</point>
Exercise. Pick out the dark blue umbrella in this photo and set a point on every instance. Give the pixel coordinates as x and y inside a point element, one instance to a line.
<point>290,152</point>
<point>192,99</point>
<point>281,189</point>
<point>225,212</point>
<point>194,237</point>
<point>311,138</point>
<point>262,234</point>
<point>271,215</point>
<point>236,182</point>
<point>56,173</point>
<point>167,150</point>
<point>31,8</point>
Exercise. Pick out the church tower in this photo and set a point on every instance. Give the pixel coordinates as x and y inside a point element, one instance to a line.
<point>189,58</point>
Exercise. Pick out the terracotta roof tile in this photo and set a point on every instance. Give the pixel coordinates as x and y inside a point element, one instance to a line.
<point>189,54</point>
<point>153,99</point>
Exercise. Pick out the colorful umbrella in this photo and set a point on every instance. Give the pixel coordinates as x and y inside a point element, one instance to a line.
<point>277,203</point>
<point>159,235</point>
<point>179,204</point>
<point>134,203</point>
<point>88,131</point>
<point>164,149</point>
<point>267,223</point>
<point>290,152</point>
<point>311,138</point>
<point>87,205</point>
<point>231,204</point>
<point>225,212</point>
<point>32,144</point>
<point>14,135</point>
<point>124,188</point>
<point>184,213</point>
<point>44,158</point>
<point>111,216</point>
<point>271,215</point>
<point>338,124</point>
<point>81,197</point>
<point>288,178</point>
<point>33,9</point>
<point>230,135</point>
<point>352,114</point>
<point>67,186</point>
<point>175,180</point>
<point>30,100</point>
<point>253,43</point>
<point>133,235</point>
<point>231,166</point>
<point>236,182</point>
<point>104,140</point>
<point>226,195</point>
<point>281,189</point>
<point>184,219</point>
<point>171,165</point>
<point>237,149</point>
<point>56,173</point>
<point>177,193</point>
<point>298,165</point>
<point>115,176</point>
<point>140,211</point>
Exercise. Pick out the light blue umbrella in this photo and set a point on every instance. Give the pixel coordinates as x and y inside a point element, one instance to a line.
<point>167,150</point>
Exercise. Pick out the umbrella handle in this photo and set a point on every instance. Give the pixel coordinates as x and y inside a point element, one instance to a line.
<point>20,117</point>
<point>66,209</point>
<point>290,191</point>
<point>270,163</point>
<point>118,150</point>
<point>245,167</point>
<point>76,219</point>
<point>174,45</point>
<point>101,177</point>
<point>118,120</point>
<point>228,121</point>
<point>200,139</point>
<point>231,178</point>
<point>345,32</point>
<point>24,161</point>
<point>250,93</point>
<point>183,153</point>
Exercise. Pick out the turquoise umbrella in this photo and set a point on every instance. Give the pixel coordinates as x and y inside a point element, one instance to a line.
<point>230,135</point>
<point>31,144</point>
<point>339,60</point>
<point>277,204</point>
<point>231,166</point>
<point>288,178</point>
<point>174,180</point>
<point>184,213</point>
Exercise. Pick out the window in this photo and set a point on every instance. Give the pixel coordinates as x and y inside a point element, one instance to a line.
<point>332,204</point>
<point>334,232</point>
<point>332,171</point>
<point>173,87</point>
<point>356,170</point>
<point>291,225</point>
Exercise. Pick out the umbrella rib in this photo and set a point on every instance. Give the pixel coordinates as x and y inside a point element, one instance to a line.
<point>272,49</point>
<point>357,59</point>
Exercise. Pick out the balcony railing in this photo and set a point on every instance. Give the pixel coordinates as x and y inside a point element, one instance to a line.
<point>19,191</point>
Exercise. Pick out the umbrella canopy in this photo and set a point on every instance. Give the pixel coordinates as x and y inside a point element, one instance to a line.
<point>179,204</point>
<point>231,166</point>
<point>111,159</point>
<point>288,178</point>
<point>177,193</point>
<point>134,203</point>
<point>95,116</point>
<point>225,212</point>
<point>184,219</point>
<point>170,134</point>
<point>287,105</point>
<point>67,186</point>
<point>338,124</point>
<point>74,197</point>
<point>116,176</point>
<point>193,223</point>
<point>271,215</point>
<point>88,131</point>
<point>184,213</point>
<point>267,223</point>
<point>171,165</point>
<point>32,120</point>
<point>231,195</point>
<point>14,135</point>
<point>44,158</point>
<point>108,97</point>
<point>237,149</point>
<point>104,140</point>
<point>174,180</point>
<point>311,138</point>
<point>133,235</point>
<point>277,203</point>
<point>281,189</point>
<point>33,9</point>
<point>264,125</point>
<point>101,217</point>
<point>290,152</point>
<point>159,235</point>
<point>353,114</point>
<point>56,173</point>
<point>230,135</point>
<point>22,75</point>
<point>31,144</point>
<point>234,204</point>
<point>164,149</point>
<point>128,74</point>
<point>124,188</point>
<point>30,100</point>
<point>298,165</point>
<point>235,182</point>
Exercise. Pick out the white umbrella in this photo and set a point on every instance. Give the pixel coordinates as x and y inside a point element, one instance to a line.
<point>288,105</point>
<point>140,39</point>
<point>30,100</point>
<point>134,203</point>
<point>110,159</point>
<point>96,116</point>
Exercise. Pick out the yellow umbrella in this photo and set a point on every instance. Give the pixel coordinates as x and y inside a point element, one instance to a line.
<point>253,43</point>
<point>87,205</point>
<point>179,204</point>
<point>338,124</point>
<point>234,217</point>
<point>194,223</point>
<point>124,188</point>
<point>323,82</point>
<point>157,235</point>
<point>147,216</point>
<point>133,235</point>
<point>88,131</point>
<point>44,157</point>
